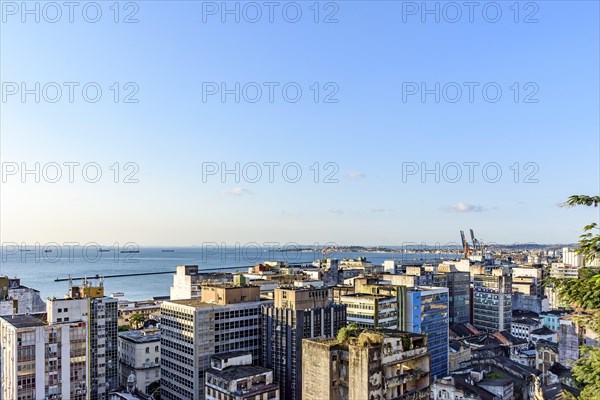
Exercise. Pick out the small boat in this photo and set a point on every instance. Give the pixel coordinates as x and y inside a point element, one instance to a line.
<point>103,250</point>
<point>117,294</point>
<point>168,251</point>
<point>129,251</point>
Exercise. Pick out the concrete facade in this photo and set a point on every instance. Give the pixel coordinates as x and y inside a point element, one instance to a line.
<point>426,311</point>
<point>192,331</point>
<point>18,299</point>
<point>188,281</point>
<point>41,360</point>
<point>233,377</point>
<point>371,310</point>
<point>87,303</point>
<point>139,356</point>
<point>568,346</point>
<point>382,365</point>
<point>297,313</point>
<point>492,300</point>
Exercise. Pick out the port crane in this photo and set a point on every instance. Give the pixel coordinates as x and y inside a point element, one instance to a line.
<point>467,251</point>
<point>477,245</point>
<point>474,241</point>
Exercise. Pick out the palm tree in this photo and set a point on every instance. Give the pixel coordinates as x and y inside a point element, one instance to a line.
<point>136,320</point>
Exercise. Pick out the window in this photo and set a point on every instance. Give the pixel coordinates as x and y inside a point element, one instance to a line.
<point>147,350</point>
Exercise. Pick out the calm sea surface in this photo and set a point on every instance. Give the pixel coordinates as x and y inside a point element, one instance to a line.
<point>38,269</point>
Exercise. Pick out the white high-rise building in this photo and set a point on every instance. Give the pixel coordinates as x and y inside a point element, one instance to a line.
<point>188,281</point>
<point>226,319</point>
<point>139,359</point>
<point>42,360</point>
<point>571,258</point>
<point>88,304</point>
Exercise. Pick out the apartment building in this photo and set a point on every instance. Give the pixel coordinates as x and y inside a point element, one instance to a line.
<point>188,281</point>
<point>425,310</point>
<point>193,330</point>
<point>88,304</point>
<point>139,359</point>
<point>492,299</point>
<point>372,365</point>
<point>420,309</point>
<point>232,376</point>
<point>43,360</point>
<point>297,313</point>
<point>371,310</point>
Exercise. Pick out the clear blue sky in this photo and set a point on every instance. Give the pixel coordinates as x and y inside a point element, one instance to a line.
<point>369,133</point>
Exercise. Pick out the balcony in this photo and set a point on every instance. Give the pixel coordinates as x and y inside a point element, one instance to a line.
<point>409,376</point>
<point>417,394</point>
<point>392,356</point>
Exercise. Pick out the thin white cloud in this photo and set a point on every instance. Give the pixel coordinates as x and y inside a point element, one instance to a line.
<point>464,208</point>
<point>338,212</point>
<point>291,213</point>
<point>237,192</point>
<point>381,210</point>
<point>354,175</point>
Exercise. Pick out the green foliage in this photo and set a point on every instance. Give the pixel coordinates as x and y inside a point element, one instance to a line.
<point>136,320</point>
<point>343,335</point>
<point>589,241</point>
<point>406,343</point>
<point>367,339</point>
<point>587,371</point>
<point>124,328</point>
<point>584,293</point>
<point>582,200</point>
<point>581,293</point>
<point>346,333</point>
<point>567,395</point>
<point>494,375</point>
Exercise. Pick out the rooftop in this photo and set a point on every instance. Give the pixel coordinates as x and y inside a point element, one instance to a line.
<point>25,320</point>
<point>543,331</point>
<point>496,382</point>
<point>464,330</point>
<point>462,384</point>
<point>524,313</point>
<point>198,303</point>
<point>141,336</point>
<point>546,343</point>
<point>367,295</point>
<point>301,288</point>
<point>455,346</point>
<point>507,338</point>
<point>557,313</point>
<point>238,372</point>
<point>526,321</point>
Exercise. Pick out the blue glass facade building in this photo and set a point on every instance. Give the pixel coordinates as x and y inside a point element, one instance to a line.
<point>426,311</point>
